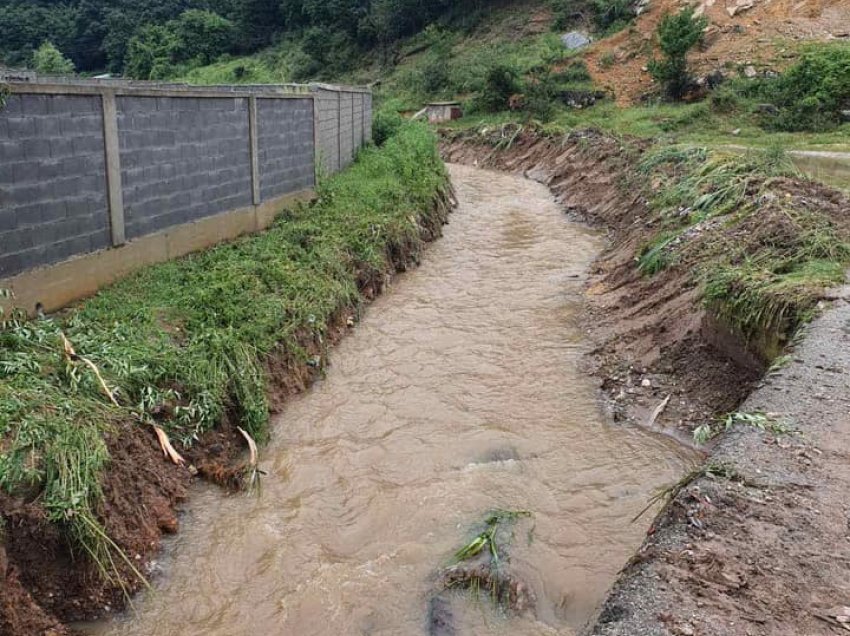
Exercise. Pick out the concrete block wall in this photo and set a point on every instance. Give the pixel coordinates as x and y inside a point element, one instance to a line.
<point>285,146</point>
<point>182,159</point>
<point>53,201</point>
<point>88,165</point>
<point>327,123</point>
<point>346,129</point>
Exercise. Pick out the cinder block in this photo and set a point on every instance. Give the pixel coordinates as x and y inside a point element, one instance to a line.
<point>22,127</point>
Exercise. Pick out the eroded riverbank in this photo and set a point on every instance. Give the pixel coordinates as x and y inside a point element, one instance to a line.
<point>460,392</point>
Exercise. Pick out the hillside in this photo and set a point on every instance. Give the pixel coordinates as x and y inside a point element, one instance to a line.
<point>745,44</point>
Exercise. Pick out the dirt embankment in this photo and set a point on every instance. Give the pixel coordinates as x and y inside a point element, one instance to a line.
<point>44,584</point>
<point>755,542</point>
<point>762,34</point>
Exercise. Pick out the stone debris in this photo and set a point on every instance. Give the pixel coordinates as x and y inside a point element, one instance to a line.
<point>575,40</point>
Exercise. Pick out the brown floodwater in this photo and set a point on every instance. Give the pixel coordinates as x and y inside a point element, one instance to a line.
<point>460,392</point>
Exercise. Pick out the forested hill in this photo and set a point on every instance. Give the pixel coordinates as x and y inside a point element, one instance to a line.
<point>145,38</point>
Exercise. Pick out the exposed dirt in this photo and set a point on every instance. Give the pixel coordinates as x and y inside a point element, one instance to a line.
<point>763,548</point>
<point>763,36</point>
<point>653,337</point>
<point>758,543</point>
<point>43,584</point>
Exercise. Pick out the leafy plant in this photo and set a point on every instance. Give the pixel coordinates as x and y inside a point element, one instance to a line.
<point>756,419</point>
<point>49,60</point>
<point>486,539</point>
<point>501,82</point>
<point>677,34</point>
<point>812,94</point>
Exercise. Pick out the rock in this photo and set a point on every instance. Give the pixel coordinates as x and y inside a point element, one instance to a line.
<point>641,6</point>
<point>750,71</point>
<point>646,383</point>
<point>575,40</point>
<point>845,115</point>
<point>739,7</point>
<point>767,109</point>
<point>715,79</point>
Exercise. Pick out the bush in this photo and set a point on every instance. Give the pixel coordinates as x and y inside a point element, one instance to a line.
<point>575,72</point>
<point>612,15</point>
<point>724,99</point>
<point>385,124</point>
<point>49,60</point>
<point>677,34</point>
<point>812,93</point>
<point>501,82</point>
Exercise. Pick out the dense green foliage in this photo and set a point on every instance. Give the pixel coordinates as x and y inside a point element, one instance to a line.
<point>97,34</point>
<point>606,15</point>
<point>196,36</point>
<point>49,60</point>
<point>677,34</point>
<point>182,342</point>
<point>812,93</point>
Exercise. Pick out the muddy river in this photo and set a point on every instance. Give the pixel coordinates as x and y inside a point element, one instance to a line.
<point>460,392</point>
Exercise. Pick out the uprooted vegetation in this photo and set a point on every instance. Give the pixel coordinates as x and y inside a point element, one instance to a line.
<point>482,566</point>
<point>195,348</point>
<point>717,260</point>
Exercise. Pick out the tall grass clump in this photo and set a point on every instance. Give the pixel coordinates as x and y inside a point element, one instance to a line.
<point>762,256</point>
<point>183,344</point>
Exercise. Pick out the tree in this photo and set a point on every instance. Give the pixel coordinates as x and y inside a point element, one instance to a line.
<point>677,34</point>
<point>49,60</point>
<point>150,53</point>
<point>201,36</point>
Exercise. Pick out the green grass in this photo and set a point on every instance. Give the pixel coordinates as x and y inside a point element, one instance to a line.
<point>761,257</point>
<point>693,124</point>
<point>181,343</point>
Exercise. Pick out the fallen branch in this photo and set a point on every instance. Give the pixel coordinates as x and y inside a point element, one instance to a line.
<point>167,449</point>
<point>254,472</point>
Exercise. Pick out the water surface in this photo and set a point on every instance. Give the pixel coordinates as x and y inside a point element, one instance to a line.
<point>460,392</point>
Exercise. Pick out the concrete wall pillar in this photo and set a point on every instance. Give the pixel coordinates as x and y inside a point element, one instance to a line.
<point>113,168</point>
<point>254,149</point>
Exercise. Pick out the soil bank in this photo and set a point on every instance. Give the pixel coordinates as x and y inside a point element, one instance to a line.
<point>758,544</point>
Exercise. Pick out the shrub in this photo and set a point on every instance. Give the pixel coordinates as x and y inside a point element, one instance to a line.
<point>812,93</point>
<point>677,34</point>
<point>385,123</point>
<point>612,15</point>
<point>501,81</point>
<point>725,99</point>
<point>575,72</point>
<point>49,60</point>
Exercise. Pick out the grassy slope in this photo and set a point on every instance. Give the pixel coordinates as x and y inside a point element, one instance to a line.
<point>180,343</point>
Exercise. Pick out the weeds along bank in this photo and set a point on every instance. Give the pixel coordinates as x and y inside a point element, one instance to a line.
<point>715,262</point>
<point>195,347</point>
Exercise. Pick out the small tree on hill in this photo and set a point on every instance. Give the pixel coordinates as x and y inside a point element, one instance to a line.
<point>677,34</point>
<point>49,60</point>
